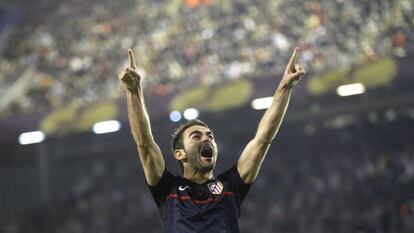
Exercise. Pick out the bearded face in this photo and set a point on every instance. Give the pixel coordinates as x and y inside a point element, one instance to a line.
<point>200,149</point>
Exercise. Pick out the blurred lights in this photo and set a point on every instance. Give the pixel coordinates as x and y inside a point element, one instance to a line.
<point>106,127</point>
<point>31,137</point>
<point>372,117</point>
<point>262,103</point>
<point>191,113</point>
<point>249,24</point>
<point>390,115</point>
<point>207,34</point>
<point>280,41</point>
<point>350,89</point>
<point>175,116</point>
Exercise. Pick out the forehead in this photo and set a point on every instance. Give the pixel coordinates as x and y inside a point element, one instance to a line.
<point>193,128</point>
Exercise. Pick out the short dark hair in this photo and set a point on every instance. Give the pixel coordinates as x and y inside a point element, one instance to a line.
<point>177,141</point>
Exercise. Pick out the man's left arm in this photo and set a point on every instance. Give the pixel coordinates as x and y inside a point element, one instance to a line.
<point>254,153</point>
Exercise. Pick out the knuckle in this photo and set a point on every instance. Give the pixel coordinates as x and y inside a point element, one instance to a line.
<point>121,76</point>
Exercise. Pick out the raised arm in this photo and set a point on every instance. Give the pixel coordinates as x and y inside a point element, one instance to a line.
<point>254,153</point>
<point>150,154</point>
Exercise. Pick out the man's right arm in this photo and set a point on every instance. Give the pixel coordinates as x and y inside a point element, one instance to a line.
<point>150,154</point>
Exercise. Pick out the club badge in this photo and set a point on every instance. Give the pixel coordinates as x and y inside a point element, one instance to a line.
<point>215,187</point>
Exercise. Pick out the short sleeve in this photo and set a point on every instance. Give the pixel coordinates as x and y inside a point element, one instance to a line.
<point>160,191</point>
<point>236,184</point>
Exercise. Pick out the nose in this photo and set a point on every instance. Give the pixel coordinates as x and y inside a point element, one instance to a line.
<point>206,138</point>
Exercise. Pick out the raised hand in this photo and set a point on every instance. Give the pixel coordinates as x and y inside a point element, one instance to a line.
<point>130,76</point>
<point>293,72</point>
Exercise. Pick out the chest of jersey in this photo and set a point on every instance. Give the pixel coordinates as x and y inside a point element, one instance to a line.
<point>194,206</point>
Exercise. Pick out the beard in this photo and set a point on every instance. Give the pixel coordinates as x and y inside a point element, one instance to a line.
<point>196,162</point>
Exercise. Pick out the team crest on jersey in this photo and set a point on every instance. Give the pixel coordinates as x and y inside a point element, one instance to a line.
<point>215,187</point>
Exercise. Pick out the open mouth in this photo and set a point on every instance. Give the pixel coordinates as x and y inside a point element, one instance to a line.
<point>206,151</point>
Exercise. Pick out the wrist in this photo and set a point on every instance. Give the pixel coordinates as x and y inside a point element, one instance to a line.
<point>284,86</point>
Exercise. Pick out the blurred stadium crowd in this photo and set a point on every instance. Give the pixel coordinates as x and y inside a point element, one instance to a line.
<point>74,49</point>
<point>355,179</point>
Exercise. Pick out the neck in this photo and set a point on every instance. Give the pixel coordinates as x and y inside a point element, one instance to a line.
<point>197,177</point>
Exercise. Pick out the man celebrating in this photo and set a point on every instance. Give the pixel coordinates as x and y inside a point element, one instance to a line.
<point>198,201</point>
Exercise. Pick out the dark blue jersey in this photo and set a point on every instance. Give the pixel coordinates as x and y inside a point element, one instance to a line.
<point>211,207</point>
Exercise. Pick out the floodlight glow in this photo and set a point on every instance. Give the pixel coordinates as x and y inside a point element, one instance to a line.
<point>31,137</point>
<point>350,89</point>
<point>191,113</point>
<point>262,103</point>
<point>106,127</point>
<point>175,116</point>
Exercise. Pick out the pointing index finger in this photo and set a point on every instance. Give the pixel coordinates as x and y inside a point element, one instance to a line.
<point>293,59</point>
<point>131,59</point>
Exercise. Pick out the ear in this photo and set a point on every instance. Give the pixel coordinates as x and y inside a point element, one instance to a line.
<point>180,154</point>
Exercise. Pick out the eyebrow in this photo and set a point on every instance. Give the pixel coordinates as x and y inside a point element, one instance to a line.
<point>199,132</point>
